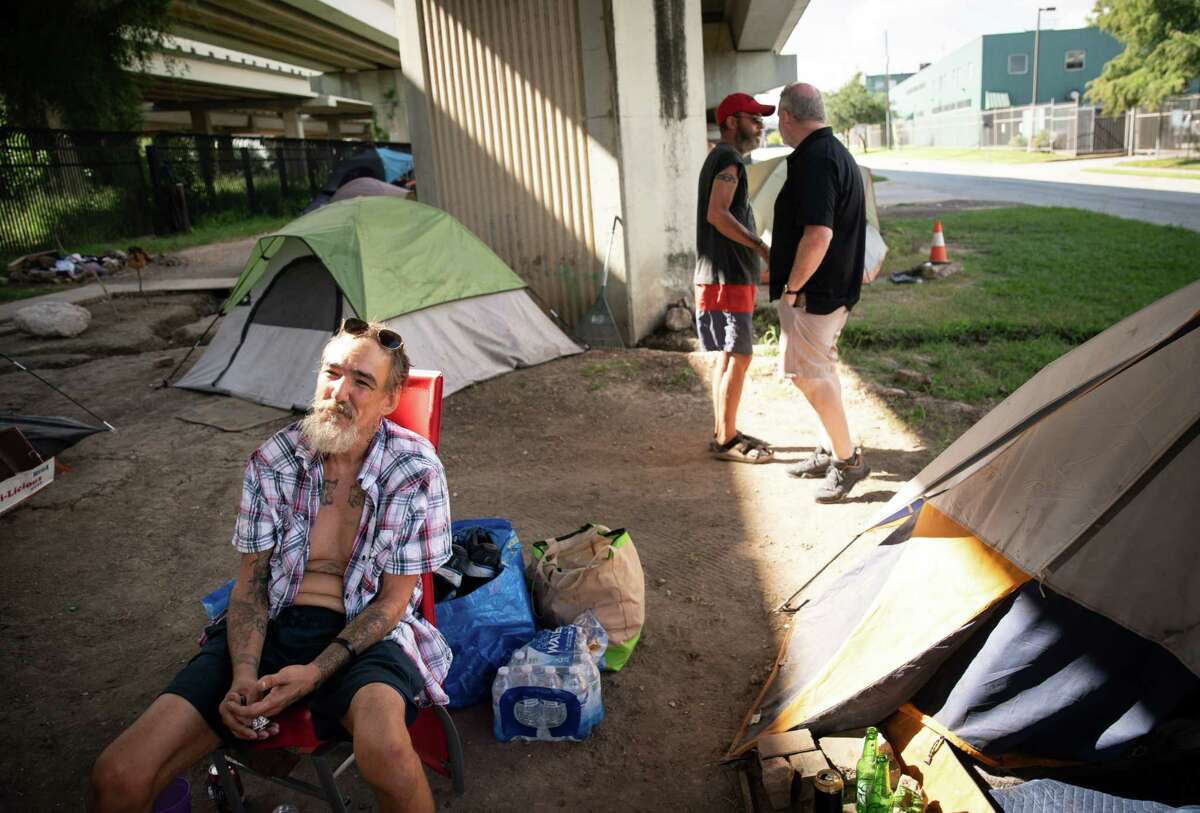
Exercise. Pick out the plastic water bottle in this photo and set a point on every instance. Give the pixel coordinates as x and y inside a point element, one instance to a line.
<point>576,684</point>
<point>500,686</point>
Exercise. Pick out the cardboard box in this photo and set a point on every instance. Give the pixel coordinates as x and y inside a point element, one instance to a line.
<point>23,472</point>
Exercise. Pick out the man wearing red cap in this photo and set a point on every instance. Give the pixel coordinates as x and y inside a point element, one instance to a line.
<point>728,257</point>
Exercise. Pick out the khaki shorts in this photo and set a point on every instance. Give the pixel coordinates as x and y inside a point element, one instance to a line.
<point>808,341</point>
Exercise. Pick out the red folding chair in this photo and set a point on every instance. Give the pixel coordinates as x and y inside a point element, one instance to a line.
<point>433,733</point>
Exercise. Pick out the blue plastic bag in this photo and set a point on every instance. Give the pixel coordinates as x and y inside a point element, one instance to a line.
<point>488,624</point>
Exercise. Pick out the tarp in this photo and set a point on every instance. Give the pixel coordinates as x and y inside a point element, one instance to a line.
<point>396,164</point>
<point>764,179</point>
<point>1084,479</point>
<point>380,256</point>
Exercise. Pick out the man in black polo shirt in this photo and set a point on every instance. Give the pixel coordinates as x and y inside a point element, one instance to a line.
<point>816,266</point>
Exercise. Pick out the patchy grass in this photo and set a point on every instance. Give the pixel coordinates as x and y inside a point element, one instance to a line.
<point>1186,164</point>
<point>1035,282</point>
<point>1187,175</point>
<point>219,229</point>
<point>11,293</point>
<point>600,374</point>
<point>998,155</point>
<point>216,229</point>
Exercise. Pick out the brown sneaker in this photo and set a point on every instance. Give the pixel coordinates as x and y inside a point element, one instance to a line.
<point>841,476</point>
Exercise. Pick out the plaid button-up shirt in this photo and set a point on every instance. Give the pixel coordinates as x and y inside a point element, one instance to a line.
<point>404,528</point>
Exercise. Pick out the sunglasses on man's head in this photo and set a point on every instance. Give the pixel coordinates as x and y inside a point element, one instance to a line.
<point>388,339</point>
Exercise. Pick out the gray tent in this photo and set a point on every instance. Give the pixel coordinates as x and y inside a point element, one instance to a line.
<point>460,309</point>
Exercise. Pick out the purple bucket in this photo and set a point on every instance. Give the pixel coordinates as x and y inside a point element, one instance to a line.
<point>175,798</point>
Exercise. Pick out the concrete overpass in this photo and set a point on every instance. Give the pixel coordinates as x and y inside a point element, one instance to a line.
<point>537,123</point>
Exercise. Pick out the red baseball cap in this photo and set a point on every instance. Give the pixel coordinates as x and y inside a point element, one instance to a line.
<point>741,103</point>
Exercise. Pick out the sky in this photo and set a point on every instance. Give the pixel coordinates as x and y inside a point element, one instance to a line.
<point>836,38</point>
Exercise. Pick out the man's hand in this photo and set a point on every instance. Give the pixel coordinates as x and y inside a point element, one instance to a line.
<point>790,299</point>
<point>236,711</point>
<point>282,689</point>
<point>763,251</point>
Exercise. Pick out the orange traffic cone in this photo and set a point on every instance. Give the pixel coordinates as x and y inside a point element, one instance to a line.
<point>937,251</point>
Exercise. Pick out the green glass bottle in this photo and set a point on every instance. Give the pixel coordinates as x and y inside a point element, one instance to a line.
<point>881,793</point>
<point>864,774</point>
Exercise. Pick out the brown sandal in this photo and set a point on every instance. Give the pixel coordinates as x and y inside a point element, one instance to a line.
<point>741,449</point>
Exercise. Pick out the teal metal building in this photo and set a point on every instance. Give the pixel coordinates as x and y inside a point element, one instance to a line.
<point>878,82</point>
<point>996,70</point>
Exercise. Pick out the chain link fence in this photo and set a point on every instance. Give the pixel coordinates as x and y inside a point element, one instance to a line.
<point>74,187</point>
<point>1071,128</point>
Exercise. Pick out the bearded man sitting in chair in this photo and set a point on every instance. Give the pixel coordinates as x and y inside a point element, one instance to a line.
<point>340,514</point>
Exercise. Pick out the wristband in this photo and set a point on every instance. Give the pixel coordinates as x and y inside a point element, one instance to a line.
<point>349,646</point>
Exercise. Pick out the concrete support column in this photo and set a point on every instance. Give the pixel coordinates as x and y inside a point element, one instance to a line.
<point>201,121</point>
<point>415,98</point>
<point>658,62</point>
<point>384,89</point>
<point>293,125</point>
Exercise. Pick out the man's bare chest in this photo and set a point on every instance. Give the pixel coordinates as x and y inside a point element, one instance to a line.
<point>337,522</point>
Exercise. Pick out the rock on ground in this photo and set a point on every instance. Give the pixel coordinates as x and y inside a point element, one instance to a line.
<point>53,319</point>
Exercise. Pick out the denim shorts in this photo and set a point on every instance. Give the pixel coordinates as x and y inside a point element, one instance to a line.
<point>297,636</point>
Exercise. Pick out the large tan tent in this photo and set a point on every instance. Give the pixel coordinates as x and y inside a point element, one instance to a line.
<point>764,179</point>
<point>1039,601</point>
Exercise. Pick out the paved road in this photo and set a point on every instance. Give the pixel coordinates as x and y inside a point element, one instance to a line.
<point>1173,201</point>
<point>1151,205</point>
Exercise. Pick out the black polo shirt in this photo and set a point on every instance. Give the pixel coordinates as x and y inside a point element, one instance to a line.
<point>823,188</point>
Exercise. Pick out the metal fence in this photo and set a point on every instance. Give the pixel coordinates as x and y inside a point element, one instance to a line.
<point>1071,128</point>
<point>1173,129</point>
<point>76,187</point>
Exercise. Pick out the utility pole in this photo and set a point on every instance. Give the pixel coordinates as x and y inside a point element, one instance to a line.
<point>887,96</point>
<point>1037,37</point>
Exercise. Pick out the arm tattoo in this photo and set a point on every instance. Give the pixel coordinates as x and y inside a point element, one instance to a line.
<point>247,616</point>
<point>327,489</point>
<point>369,627</point>
<point>726,177</point>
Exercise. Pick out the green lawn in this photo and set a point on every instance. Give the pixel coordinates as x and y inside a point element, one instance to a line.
<point>1188,164</point>
<point>217,229</point>
<point>1035,282</point>
<point>1190,175</point>
<point>999,155</point>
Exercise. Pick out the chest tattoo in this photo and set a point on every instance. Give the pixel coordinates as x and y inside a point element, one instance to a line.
<point>357,496</point>
<point>327,489</point>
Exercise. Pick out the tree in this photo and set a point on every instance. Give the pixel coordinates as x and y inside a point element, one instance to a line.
<point>76,58</point>
<point>1162,52</point>
<point>852,104</point>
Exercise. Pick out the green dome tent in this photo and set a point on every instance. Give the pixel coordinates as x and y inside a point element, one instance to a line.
<point>460,309</point>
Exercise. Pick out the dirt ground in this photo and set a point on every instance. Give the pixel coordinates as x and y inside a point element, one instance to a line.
<point>103,570</point>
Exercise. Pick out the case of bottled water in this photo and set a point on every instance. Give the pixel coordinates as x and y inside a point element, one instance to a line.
<point>550,689</point>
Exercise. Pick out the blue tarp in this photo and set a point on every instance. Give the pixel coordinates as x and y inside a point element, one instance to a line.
<point>395,164</point>
<point>484,627</point>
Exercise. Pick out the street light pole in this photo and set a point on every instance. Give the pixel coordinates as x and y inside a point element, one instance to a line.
<point>1037,37</point>
<point>887,95</point>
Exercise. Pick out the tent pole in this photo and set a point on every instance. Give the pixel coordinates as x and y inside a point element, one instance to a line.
<point>21,366</point>
<point>166,382</point>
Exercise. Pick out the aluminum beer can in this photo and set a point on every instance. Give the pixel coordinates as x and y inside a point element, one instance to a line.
<point>216,791</point>
<point>827,792</point>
